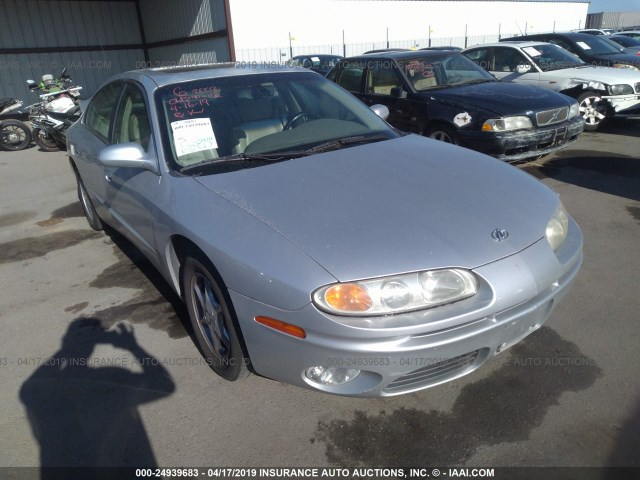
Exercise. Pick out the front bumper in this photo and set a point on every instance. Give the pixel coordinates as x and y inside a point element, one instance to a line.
<point>624,105</point>
<point>520,145</point>
<point>420,349</point>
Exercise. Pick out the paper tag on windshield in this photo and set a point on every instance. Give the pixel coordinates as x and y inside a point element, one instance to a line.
<point>315,59</point>
<point>532,52</point>
<point>194,135</point>
<point>584,46</point>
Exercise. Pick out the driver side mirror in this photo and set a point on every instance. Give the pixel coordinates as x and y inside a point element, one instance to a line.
<point>381,110</point>
<point>32,84</point>
<point>127,155</point>
<point>523,68</point>
<point>398,92</point>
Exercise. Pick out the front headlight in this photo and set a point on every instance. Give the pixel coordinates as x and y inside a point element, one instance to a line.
<point>622,89</point>
<point>624,65</point>
<point>396,294</point>
<point>574,110</point>
<point>558,227</point>
<point>507,123</point>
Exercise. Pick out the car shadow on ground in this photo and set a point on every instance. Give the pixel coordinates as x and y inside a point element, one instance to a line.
<point>621,126</point>
<point>83,409</point>
<point>626,452</point>
<point>155,304</point>
<point>605,172</point>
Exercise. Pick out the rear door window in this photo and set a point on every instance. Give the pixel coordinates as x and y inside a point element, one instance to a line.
<point>99,115</point>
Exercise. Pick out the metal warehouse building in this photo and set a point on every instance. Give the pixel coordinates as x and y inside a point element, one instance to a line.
<point>95,39</point>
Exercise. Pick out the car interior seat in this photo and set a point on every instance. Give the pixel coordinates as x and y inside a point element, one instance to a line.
<point>261,112</point>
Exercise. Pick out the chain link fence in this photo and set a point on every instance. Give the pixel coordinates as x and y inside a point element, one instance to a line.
<point>284,53</point>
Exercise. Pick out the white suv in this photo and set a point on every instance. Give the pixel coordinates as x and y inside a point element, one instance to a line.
<point>601,91</point>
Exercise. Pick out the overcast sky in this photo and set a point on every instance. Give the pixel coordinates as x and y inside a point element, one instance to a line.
<point>614,6</point>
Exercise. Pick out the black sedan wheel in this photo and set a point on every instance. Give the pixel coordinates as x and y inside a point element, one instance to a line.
<point>443,134</point>
<point>212,319</point>
<point>593,109</point>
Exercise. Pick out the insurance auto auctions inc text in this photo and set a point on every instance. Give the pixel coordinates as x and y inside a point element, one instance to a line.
<point>374,472</point>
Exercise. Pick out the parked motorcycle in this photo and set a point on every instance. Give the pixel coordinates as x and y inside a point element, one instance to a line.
<point>14,134</point>
<point>58,110</point>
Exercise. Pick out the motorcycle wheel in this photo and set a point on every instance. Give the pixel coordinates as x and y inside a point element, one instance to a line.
<point>45,141</point>
<point>14,135</point>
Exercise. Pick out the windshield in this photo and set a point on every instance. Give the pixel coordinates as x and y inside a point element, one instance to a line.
<point>552,57</point>
<point>437,71</point>
<point>248,115</point>
<point>625,41</point>
<point>594,45</point>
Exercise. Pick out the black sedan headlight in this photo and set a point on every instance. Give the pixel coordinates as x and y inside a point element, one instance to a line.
<point>506,124</point>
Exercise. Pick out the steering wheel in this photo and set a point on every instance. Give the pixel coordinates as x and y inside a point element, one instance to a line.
<point>295,118</point>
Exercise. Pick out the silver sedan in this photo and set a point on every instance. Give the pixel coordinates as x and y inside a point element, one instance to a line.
<point>311,242</point>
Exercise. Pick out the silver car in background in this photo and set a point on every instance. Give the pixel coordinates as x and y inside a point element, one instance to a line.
<point>311,242</point>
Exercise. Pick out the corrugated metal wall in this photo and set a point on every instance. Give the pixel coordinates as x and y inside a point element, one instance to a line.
<point>99,38</point>
<point>41,26</point>
<point>42,23</point>
<point>613,19</point>
<point>168,20</point>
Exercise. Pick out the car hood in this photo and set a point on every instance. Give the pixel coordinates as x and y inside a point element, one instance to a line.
<point>394,206</point>
<point>607,75</point>
<point>503,98</point>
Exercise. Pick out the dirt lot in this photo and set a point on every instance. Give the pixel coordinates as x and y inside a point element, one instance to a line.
<point>568,395</point>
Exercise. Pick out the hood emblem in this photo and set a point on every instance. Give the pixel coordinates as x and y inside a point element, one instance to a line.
<point>500,234</point>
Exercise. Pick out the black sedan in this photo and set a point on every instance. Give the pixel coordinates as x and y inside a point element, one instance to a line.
<point>593,49</point>
<point>320,63</point>
<point>446,96</point>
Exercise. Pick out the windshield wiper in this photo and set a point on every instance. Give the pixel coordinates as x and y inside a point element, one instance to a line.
<point>244,157</point>
<point>477,80</point>
<point>278,156</point>
<point>342,142</point>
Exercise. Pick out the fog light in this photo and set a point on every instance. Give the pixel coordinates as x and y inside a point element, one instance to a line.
<point>331,375</point>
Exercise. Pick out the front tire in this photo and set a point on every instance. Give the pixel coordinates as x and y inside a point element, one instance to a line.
<point>212,318</point>
<point>444,134</point>
<point>14,135</point>
<point>45,141</point>
<point>87,206</point>
<point>593,109</point>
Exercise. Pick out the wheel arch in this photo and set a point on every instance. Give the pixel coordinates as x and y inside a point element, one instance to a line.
<point>438,122</point>
<point>179,247</point>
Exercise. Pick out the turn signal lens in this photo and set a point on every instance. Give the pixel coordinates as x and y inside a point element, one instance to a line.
<point>283,327</point>
<point>348,297</point>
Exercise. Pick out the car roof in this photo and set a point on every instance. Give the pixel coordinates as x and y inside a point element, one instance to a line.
<point>571,35</point>
<point>169,75</point>
<point>307,55</point>
<point>514,43</point>
<point>400,55</point>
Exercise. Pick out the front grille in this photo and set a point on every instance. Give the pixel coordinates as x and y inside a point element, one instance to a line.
<point>434,373</point>
<point>638,87</point>
<point>549,117</point>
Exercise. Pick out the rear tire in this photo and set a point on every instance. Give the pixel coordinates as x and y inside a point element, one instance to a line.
<point>45,141</point>
<point>593,109</point>
<point>14,135</point>
<point>212,318</point>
